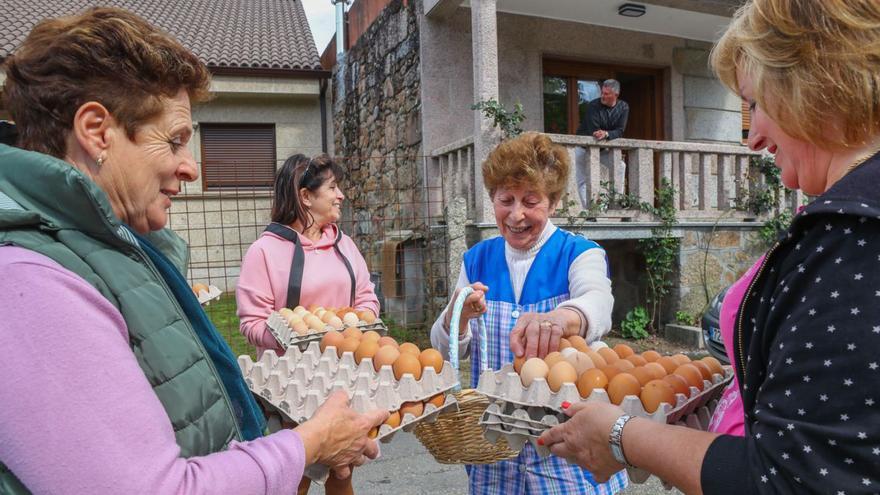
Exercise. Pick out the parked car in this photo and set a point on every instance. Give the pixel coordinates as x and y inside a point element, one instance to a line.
<point>712,329</point>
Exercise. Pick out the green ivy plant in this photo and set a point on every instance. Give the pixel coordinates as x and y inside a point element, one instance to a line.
<point>685,318</point>
<point>635,324</point>
<point>763,199</point>
<point>509,121</point>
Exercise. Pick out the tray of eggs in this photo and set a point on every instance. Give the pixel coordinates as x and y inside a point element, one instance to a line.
<point>206,293</point>
<point>300,326</point>
<point>526,396</point>
<point>375,371</point>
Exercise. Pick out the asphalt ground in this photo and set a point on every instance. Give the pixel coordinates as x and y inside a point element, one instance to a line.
<point>406,468</point>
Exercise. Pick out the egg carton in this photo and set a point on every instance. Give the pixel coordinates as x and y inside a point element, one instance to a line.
<point>205,297</point>
<point>520,415</point>
<point>287,337</point>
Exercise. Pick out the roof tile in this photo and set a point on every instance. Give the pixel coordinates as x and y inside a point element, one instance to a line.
<point>222,33</point>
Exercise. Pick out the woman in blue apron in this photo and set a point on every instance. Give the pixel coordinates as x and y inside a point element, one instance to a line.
<point>537,280</point>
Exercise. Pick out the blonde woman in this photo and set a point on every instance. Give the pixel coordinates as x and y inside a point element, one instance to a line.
<point>808,325</point>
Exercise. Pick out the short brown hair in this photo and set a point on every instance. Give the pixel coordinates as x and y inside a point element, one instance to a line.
<point>108,55</point>
<point>815,59</point>
<point>529,160</point>
<point>300,172</point>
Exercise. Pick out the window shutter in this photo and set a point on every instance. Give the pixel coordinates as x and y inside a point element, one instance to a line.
<point>237,155</point>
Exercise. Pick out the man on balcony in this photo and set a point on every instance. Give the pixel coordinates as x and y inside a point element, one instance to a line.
<point>605,119</point>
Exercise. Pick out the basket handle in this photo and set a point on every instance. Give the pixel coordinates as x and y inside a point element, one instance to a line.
<point>454,323</point>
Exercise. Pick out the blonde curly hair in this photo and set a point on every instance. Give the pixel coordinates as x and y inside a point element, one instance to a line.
<point>529,160</point>
<point>816,61</point>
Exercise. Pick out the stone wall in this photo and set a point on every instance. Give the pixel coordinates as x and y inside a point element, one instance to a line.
<point>378,137</point>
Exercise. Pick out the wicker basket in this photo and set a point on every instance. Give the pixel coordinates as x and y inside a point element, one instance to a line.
<point>457,437</point>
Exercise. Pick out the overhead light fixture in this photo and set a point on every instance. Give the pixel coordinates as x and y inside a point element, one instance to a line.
<point>631,10</point>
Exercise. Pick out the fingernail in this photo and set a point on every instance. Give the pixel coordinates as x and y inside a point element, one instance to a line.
<point>540,441</point>
<point>566,405</point>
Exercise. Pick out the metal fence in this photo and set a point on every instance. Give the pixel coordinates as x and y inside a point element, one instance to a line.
<point>393,218</point>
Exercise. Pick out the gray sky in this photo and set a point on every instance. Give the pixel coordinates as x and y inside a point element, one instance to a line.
<point>322,21</point>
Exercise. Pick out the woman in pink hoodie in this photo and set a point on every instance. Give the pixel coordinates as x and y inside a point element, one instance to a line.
<point>302,258</point>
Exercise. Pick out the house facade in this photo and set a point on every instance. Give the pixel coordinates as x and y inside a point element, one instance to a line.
<point>268,87</point>
<point>411,70</point>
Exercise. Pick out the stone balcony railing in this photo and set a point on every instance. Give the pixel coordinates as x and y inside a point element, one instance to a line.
<point>707,179</point>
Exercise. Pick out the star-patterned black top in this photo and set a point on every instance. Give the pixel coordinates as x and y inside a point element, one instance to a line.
<point>807,349</point>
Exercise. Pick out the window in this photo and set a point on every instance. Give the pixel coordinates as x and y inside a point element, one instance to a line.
<point>237,156</point>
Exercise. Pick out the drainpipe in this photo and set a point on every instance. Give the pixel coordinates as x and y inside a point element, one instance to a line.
<point>340,27</point>
<point>323,83</point>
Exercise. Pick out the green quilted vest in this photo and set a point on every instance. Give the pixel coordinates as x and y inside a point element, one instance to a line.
<point>48,206</point>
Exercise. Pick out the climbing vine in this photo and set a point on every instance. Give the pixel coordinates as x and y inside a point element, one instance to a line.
<point>509,121</point>
<point>763,198</point>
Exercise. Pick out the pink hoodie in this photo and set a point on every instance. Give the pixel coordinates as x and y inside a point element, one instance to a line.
<point>265,269</point>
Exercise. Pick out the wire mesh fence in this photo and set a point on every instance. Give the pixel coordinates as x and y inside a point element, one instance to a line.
<point>393,218</point>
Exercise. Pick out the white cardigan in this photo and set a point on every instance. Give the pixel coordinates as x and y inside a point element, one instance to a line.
<point>589,289</point>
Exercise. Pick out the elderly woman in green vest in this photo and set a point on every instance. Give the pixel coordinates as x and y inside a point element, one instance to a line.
<point>113,379</point>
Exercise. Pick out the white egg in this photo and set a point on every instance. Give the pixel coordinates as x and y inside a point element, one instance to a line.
<point>350,319</point>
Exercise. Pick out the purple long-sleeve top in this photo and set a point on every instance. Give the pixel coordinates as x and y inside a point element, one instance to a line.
<point>77,414</point>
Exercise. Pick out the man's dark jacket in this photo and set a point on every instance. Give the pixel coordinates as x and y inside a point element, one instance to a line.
<point>611,119</point>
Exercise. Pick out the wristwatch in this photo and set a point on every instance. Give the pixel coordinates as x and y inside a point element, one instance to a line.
<point>616,438</point>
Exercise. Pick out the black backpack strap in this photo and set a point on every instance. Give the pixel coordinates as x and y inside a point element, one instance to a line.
<point>347,265</point>
<point>294,282</point>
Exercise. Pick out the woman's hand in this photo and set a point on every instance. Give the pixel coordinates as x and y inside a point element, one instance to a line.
<point>583,439</point>
<point>336,435</point>
<point>538,334</point>
<point>474,306</point>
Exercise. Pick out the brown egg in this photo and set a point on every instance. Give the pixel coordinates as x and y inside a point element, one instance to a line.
<point>410,348</point>
<point>407,363</point>
<point>414,408</point>
<point>366,349</point>
<point>199,287</point>
<point>578,343</point>
<point>642,375</point>
<point>300,328</point>
<point>437,400</point>
<point>553,358</point>
<point>386,340</point>
<point>532,369</point>
<point>679,384</point>
<point>598,361</point>
<point>328,316</point>
<point>366,316</point>
<point>656,369</point>
<point>331,339</point>
<point>348,345</point>
<point>623,351</point>
<point>591,379</point>
<point>623,365</point>
<point>313,322</point>
<point>518,362</point>
<point>703,368</point>
<point>564,343</point>
<point>385,356</point>
<point>353,332</point>
<point>668,364</point>
<point>690,373</point>
<point>431,358</point>
<point>371,335</point>
<point>622,385</point>
<point>714,365</point>
<point>313,307</point>
<point>561,372</point>
<point>374,432</point>
<point>651,356</point>
<point>610,371</point>
<point>655,393</point>
<point>393,419</point>
<point>608,355</point>
<point>636,360</point>
<point>681,359</point>
<point>580,361</point>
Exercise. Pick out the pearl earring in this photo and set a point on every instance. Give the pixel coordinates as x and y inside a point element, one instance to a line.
<point>100,160</point>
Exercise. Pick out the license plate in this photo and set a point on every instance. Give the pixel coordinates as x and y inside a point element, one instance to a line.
<point>715,334</point>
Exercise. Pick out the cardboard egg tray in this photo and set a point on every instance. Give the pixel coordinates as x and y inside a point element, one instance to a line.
<point>297,383</point>
<point>287,337</point>
<point>205,297</point>
<point>520,414</point>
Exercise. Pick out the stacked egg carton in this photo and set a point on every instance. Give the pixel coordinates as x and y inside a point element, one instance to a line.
<point>288,338</point>
<point>521,414</point>
<point>297,383</point>
<point>206,296</point>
